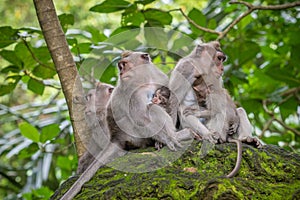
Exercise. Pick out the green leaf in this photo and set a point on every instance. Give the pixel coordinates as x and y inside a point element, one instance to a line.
<point>282,75</point>
<point>24,54</point>
<point>29,131</point>
<point>36,86</point>
<point>49,132</point>
<point>65,20</point>
<point>8,36</point>
<point>28,151</point>
<point>11,57</point>
<point>157,17</point>
<point>132,18</point>
<point>273,139</point>
<point>64,163</point>
<point>44,72</point>
<point>6,89</point>
<point>197,16</point>
<point>42,54</point>
<point>157,38</point>
<point>295,52</point>
<point>289,107</point>
<point>108,74</point>
<point>110,6</point>
<point>12,83</point>
<point>125,37</point>
<point>82,48</point>
<point>144,2</point>
<point>97,36</point>
<point>247,51</point>
<point>11,68</point>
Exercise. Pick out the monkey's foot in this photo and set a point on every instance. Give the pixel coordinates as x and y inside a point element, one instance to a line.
<point>158,145</point>
<point>253,141</point>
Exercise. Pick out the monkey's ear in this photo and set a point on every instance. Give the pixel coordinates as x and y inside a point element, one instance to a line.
<point>146,57</point>
<point>199,49</point>
<point>126,53</point>
<point>98,84</point>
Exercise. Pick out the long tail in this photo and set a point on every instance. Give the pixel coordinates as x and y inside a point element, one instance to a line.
<point>238,159</point>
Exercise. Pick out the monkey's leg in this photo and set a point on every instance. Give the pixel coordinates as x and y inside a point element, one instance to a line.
<point>111,152</point>
<point>245,129</point>
<point>185,134</point>
<point>194,123</point>
<point>238,159</point>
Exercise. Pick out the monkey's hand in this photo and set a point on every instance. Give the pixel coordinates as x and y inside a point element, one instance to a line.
<point>212,136</point>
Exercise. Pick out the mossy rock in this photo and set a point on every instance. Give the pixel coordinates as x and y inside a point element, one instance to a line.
<point>267,173</point>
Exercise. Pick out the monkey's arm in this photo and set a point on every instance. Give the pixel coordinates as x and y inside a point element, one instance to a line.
<point>111,152</point>
<point>195,111</point>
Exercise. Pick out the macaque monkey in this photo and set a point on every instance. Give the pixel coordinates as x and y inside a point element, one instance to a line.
<point>95,114</point>
<point>183,96</point>
<point>161,97</point>
<point>207,99</point>
<point>132,123</point>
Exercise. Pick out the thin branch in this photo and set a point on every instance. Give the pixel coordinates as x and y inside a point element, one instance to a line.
<point>40,81</point>
<point>287,127</point>
<point>267,126</point>
<point>250,7</point>
<point>278,120</point>
<point>270,7</point>
<point>196,25</point>
<point>34,57</point>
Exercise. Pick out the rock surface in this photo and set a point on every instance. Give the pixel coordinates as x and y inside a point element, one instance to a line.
<point>196,173</point>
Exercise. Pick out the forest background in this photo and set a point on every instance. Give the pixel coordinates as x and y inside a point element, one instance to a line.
<point>37,147</point>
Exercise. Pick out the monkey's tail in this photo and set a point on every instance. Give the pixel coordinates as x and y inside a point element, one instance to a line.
<point>238,159</point>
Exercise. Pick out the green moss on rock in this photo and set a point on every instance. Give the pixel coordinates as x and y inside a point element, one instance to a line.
<point>267,173</point>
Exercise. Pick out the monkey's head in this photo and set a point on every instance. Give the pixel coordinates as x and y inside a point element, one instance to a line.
<point>98,98</point>
<point>104,91</point>
<point>214,54</point>
<point>130,60</point>
<point>161,96</point>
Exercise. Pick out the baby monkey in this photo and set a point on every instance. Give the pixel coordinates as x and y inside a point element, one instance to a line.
<point>161,97</point>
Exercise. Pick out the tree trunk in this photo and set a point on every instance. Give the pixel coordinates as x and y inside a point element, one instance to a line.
<point>267,173</point>
<point>65,67</point>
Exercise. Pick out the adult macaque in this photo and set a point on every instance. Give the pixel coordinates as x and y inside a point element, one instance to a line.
<point>95,114</point>
<point>182,79</point>
<point>132,123</point>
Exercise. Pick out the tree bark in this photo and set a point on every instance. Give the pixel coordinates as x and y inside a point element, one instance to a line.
<point>65,67</point>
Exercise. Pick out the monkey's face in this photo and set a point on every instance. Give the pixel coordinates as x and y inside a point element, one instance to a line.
<point>98,98</point>
<point>103,93</point>
<point>219,58</point>
<point>131,60</point>
<point>161,97</point>
<point>157,98</point>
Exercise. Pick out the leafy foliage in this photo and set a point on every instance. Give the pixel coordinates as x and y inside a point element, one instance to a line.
<point>262,74</point>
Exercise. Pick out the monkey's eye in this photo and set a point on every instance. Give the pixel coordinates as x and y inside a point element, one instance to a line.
<point>110,90</point>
